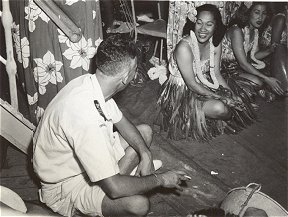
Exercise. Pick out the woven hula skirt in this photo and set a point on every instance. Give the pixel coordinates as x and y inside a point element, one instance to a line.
<point>182,115</point>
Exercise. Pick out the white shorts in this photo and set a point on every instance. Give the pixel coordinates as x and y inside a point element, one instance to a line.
<point>78,192</point>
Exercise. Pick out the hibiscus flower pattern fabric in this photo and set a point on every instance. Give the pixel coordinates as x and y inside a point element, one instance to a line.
<point>46,59</point>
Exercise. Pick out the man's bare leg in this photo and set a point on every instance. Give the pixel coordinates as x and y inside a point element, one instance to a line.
<point>137,205</point>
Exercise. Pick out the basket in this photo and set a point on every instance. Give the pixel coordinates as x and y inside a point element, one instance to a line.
<point>239,199</point>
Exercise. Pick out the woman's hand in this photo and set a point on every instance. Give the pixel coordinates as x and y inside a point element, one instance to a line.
<point>272,47</point>
<point>237,98</point>
<point>274,84</point>
<point>235,103</point>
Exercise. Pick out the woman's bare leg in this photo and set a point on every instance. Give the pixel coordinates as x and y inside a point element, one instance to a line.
<point>216,109</point>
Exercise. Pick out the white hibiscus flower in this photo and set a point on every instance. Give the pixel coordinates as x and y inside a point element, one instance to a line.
<point>39,113</point>
<point>159,72</point>
<point>71,2</point>
<point>98,42</point>
<point>62,37</point>
<point>80,53</point>
<point>33,12</point>
<point>15,32</point>
<point>47,70</point>
<point>23,51</point>
<point>32,99</point>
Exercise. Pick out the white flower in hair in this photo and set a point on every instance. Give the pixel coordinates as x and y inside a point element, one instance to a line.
<point>247,4</point>
<point>192,12</point>
<point>199,3</point>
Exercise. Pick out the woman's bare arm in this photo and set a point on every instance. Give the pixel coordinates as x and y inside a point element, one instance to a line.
<point>237,39</point>
<point>217,62</point>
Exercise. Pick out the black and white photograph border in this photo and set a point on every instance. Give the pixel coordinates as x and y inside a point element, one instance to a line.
<point>233,163</point>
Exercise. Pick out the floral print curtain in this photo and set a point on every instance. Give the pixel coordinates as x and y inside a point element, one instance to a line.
<point>46,59</point>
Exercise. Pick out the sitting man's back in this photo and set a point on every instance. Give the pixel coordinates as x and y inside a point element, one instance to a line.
<point>81,162</point>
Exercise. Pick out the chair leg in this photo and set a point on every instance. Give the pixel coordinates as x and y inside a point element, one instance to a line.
<point>161,52</point>
<point>155,48</point>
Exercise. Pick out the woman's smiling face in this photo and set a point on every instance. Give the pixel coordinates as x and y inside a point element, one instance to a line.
<point>258,16</point>
<point>205,26</point>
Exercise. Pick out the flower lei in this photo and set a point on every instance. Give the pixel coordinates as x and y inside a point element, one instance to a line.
<point>258,63</point>
<point>199,73</point>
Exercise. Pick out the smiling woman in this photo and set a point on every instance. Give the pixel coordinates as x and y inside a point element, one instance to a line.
<point>196,101</point>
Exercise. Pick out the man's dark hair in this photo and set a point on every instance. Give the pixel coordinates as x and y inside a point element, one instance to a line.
<point>220,27</point>
<point>114,54</point>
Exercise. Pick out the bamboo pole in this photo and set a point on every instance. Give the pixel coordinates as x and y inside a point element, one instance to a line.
<point>134,20</point>
<point>11,67</point>
<point>60,19</point>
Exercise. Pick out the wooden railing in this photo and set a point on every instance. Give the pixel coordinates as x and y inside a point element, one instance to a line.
<point>14,127</point>
<point>11,68</point>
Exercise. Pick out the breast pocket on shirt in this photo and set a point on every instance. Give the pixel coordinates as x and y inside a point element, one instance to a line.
<point>107,130</point>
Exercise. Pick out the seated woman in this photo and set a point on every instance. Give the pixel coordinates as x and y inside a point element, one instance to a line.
<point>243,76</point>
<point>196,100</point>
<point>275,38</point>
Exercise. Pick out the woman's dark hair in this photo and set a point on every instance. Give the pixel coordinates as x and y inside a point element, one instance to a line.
<point>220,27</point>
<point>277,7</point>
<point>242,15</point>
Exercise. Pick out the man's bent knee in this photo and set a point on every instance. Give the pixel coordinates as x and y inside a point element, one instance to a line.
<point>138,205</point>
<point>146,132</point>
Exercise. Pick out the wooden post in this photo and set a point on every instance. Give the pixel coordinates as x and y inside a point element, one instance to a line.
<point>134,20</point>
<point>161,52</point>
<point>11,67</point>
<point>68,27</point>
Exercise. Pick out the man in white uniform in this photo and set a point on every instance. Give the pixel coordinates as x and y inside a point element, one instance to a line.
<point>82,163</point>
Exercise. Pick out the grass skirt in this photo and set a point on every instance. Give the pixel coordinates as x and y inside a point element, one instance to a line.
<point>182,115</point>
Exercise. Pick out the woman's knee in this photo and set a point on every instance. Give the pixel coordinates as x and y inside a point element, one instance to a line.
<point>220,110</point>
<point>138,205</point>
<point>146,132</point>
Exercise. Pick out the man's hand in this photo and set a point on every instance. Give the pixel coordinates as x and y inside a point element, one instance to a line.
<point>145,166</point>
<point>172,179</point>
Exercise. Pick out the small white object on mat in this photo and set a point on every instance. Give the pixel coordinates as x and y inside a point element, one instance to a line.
<point>157,166</point>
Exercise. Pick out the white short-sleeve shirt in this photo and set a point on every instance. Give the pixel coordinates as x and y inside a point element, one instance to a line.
<point>73,137</point>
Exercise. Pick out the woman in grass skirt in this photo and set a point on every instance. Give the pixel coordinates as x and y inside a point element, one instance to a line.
<point>240,63</point>
<point>196,101</point>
